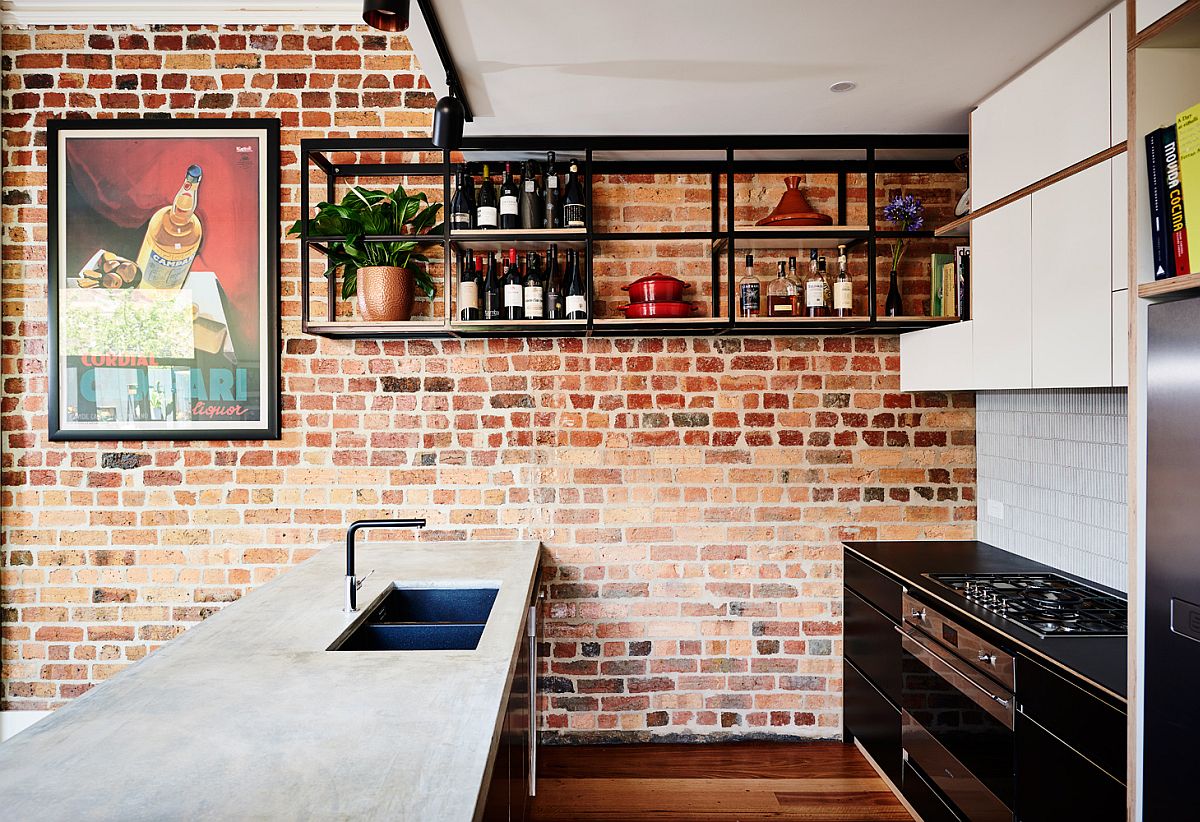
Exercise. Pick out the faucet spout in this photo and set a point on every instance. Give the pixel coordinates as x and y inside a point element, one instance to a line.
<point>352,583</point>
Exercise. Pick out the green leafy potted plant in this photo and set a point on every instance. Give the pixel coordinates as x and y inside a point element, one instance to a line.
<point>383,275</point>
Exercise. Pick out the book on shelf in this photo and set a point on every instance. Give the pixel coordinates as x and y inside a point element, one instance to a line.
<point>1187,130</point>
<point>1178,257</point>
<point>1164,260</point>
<point>962,269</point>
<point>936,262</point>
<point>949,290</point>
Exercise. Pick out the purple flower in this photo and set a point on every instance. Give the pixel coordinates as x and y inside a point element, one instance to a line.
<point>909,213</point>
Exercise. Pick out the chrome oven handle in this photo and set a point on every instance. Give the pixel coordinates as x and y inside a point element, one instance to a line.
<point>1005,703</point>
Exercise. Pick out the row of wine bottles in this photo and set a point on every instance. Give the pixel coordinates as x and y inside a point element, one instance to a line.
<point>525,291</point>
<point>535,202</point>
<point>818,295</point>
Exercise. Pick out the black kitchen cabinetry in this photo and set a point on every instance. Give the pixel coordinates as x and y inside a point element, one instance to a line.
<point>924,799</point>
<point>1070,750</point>
<point>871,676</point>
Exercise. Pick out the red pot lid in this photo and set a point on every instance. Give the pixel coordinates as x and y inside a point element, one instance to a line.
<point>655,277</point>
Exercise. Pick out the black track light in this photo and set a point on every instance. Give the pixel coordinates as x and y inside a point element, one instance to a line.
<point>448,118</point>
<point>386,15</point>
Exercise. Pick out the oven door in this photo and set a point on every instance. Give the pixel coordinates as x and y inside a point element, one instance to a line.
<point>958,729</point>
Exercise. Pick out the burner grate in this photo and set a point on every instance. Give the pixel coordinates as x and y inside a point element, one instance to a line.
<point>1047,604</point>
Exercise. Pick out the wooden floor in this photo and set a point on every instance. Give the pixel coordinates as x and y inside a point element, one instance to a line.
<point>711,783</point>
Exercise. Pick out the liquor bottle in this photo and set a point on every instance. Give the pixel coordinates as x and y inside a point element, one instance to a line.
<point>843,289</point>
<point>826,285</point>
<point>487,210</point>
<point>493,294</point>
<point>553,201</point>
<point>576,289</point>
<point>172,238</point>
<point>510,213</point>
<point>514,289</point>
<point>462,207</point>
<point>535,288</point>
<point>814,289</point>
<point>798,288</point>
<point>781,294</point>
<point>750,290</point>
<point>574,206</point>
<point>533,211</point>
<point>555,310</point>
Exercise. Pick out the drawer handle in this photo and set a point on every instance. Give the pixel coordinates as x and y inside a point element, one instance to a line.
<point>915,614</point>
<point>990,659</point>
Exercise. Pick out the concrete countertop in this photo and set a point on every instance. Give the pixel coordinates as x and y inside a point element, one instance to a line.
<point>247,716</point>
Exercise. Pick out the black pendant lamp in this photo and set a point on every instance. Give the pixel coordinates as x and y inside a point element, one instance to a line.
<point>386,15</point>
<point>448,118</point>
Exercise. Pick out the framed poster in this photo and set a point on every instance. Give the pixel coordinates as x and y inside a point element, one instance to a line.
<point>164,279</point>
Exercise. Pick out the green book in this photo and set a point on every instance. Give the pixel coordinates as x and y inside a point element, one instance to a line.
<point>1187,126</point>
<point>936,263</point>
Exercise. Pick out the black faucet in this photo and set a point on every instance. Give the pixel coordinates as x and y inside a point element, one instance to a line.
<point>352,584</point>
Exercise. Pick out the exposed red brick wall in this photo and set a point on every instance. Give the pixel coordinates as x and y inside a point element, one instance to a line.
<point>691,492</point>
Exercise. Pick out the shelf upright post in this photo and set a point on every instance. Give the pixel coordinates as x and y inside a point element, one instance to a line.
<point>448,263</point>
<point>587,241</point>
<point>331,289</point>
<point>715,228</point>
<point>730,252</point>
<point>872,264</point>
<point>304,258</point>
<point>841,197</point>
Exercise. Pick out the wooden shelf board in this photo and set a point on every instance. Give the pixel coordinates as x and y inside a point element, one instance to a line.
<point>1169,286</point>
<point>1178,28</point>
<point>800,320</point>
<point>463,325</point>
<point>914,318</point>
<point>623,321</point>
<point>799,236</point>
<point>955,228</point>
<point>524,233</point>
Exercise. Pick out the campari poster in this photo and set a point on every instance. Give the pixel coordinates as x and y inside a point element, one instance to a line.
<point>164,304</point>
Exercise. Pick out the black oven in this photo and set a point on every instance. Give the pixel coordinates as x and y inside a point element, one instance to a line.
<point>957,713</point>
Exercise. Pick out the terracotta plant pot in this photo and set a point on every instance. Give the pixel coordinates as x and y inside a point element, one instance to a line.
<point>793,208</point>
<point>385,293</point>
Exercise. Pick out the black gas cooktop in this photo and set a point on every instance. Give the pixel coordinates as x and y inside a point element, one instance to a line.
<point>1047,604</point>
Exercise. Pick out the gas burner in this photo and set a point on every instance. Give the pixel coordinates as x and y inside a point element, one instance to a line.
<point>1046,604</point>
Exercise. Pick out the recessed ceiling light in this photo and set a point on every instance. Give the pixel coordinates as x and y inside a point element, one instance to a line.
<point>843,85</point>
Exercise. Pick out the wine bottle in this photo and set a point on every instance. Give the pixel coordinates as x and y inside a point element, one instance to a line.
<point>826,286</point>
<point>576,289</point>
<point>487,210</point>
<point>514,289</point>
<point>781,294</point>
<point>551,195</point>
<point>574,206</point>
<point>535,288</point>
<point>468,287</point>
<point>750,290</point>
<point>533,212</point>
<point>462,208</point>
<point>510,215</point>
<point>814,288</point>
<point>843,289</point>
<point>555,310</point>
<point>493,299</point>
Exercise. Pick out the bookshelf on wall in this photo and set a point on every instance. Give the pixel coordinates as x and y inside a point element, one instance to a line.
<point>684,206</point>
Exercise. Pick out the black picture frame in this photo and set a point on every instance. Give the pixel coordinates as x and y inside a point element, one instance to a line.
<point>266,134</point>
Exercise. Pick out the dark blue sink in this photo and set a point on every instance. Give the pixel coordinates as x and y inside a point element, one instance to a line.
<point>422,619</point>
<point>368,637</point>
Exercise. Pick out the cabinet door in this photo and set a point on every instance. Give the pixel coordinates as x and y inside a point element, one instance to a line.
<point>1120,338</point>
<point>1147,12</point>
<point>872,643</point>
<point>1056,783</point>
<point>1120,222</point>
<point>1072,281</point>
<point>938,359</point>
<point>872,720</point>
<point>1002,297</point>
<point>1048,118</point>
<point>1118,74</point>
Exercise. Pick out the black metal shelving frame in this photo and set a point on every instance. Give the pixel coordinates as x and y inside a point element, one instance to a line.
<point>720,157</point>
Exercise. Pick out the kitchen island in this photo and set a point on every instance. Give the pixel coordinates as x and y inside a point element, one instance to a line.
<point>249,716</point>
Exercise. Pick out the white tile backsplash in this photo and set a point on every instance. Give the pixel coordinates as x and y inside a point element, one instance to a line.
<point>1053,462</point>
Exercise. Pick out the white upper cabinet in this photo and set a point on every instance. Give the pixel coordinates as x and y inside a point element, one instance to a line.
<point>1072,281</point>
<point>1048,118</point>
<point>1147,12</point>
<point>1002,293</point>
<point>1120,221</point>
<point>1120,338</point>
<point>938,359</point>
<point>1118,74</point>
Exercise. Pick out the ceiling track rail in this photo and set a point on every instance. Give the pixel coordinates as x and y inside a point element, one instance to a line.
<point>443,49</point>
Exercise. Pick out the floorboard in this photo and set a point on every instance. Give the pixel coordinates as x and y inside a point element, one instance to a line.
<point>742,782</point>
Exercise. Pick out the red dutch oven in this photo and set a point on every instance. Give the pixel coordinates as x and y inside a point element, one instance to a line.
<point>656,288</point>
<point>662,308</point>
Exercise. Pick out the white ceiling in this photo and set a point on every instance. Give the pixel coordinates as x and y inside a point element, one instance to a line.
<point>688,66</point>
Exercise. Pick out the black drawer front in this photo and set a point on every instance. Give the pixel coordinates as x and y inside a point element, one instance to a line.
<point>872,644</point>
<point>924,799</point>
<point>881,591</point>
<point>872,720</point>
<point>1054,783</point>
<point>1090,726</point>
